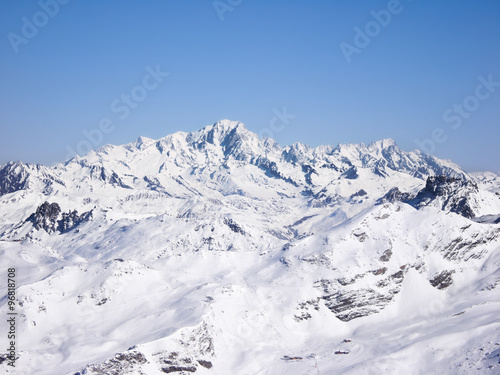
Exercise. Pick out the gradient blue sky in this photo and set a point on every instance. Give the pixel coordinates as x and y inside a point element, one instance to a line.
<point>263,56</point>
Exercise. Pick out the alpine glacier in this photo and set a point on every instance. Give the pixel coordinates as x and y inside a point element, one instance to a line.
<point>216,252</point>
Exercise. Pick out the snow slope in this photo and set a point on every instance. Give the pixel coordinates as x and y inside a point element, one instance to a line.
<point>217,252</point>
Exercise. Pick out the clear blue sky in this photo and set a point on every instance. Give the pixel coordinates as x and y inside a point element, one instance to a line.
<point>246,61</point>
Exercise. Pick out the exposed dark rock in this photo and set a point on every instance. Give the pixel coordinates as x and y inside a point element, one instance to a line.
<point>443,280</point>
<point>271,169</point>
<point>16,176</point>
<point>354,304</point>
<point>321,199</point>
<point>294,358</point>
<point>317,259</point>
<point>206,364</point>
<point>350,174</point>
<point>386,256</point>
<point>451,193</point>
<point>122,363</point>
<point>171,369</point>
<point>454,193</point>
<point>398,276</point>
<point>45,217</point>
<point>13,177</point>
<point>233,225</point>
<point>394,195</point>
<point>361,236</point>
<point>330,166</point>
<point>308,171</point>
<point>380,171</point>
<point>360,193</point>
<point>155,185</point>
<point>380,271</point>
<point>101,173</point>
<point>71,219</point>
<point>303,316</point>
<point>304,308</point>
<point>298,222</point>
<point>440,185</point>
<point>464,249</point>
<point>285,261</point>
<point>102,302</point>
<point>346,281</point>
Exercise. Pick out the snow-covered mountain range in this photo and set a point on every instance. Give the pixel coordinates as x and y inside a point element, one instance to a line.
<point>216,252</point>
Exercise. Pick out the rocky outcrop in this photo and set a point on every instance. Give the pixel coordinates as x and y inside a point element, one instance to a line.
<point>46,217</point>
<point>452,194</point>
<point>71,219</point>
<point>442,280</point>
<point>233,225</point>
<point>13,177</point>
<point>395,195</point>
<point>109,177</point>
<point>447,193</point>
<point>348,303</point>
<point>354,304</point>
<point>123,363</point>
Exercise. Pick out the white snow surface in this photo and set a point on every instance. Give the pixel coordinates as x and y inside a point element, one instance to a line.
<point>221,253</point>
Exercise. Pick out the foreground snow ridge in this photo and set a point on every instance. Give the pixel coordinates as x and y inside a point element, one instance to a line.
<point>216,252</point>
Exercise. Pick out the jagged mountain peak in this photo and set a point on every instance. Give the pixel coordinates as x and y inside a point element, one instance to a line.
<point>222,133</point>
<point>142,142</point>
<point>383,143</point>
<point>227,125</point>
<point>220,144</point>
<point>376,149</point>
<point>296,152</point>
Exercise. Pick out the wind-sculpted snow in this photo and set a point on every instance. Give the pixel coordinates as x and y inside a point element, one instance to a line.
<point>216,252</point>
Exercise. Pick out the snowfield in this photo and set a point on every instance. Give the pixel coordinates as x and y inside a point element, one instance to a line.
<point>216,252</point>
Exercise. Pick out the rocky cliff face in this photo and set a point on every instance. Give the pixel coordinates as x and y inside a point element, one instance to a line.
<point>446,193</point>
<point>45,217</point>
<point>48,217</point>
<point>13,177</point>
<point>450,194</point>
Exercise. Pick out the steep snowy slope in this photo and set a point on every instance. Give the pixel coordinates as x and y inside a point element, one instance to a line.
<point>217,252</point>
